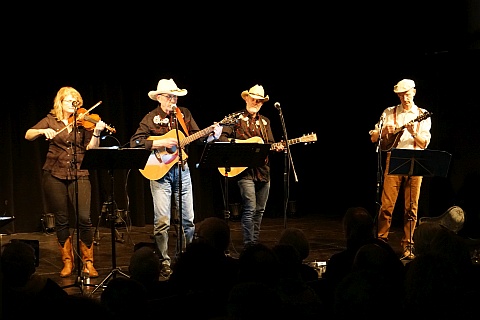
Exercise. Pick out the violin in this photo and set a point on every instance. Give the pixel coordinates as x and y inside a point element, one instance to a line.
<point>88,121</point>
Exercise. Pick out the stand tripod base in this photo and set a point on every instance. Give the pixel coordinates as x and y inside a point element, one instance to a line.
<point>80,283</point>
<point>112,274</point>
<point>118,237</point>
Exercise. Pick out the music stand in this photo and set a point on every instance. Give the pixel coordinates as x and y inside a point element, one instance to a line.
<point>426,163</point>
<point>5,220</point>
<point>225,155</point>
<point>111,158</point>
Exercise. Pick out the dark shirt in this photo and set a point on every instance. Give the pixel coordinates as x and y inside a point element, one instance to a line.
<point>158,123</point>
<point>245,128</point>
<point>63,149</point>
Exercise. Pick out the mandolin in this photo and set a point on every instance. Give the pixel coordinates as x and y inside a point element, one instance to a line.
<point>388,143</point>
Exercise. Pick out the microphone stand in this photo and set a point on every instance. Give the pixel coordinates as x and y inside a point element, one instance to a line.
<point>288,162</point>
<point>80,281</point>
<point>180,168</point>
<point>379,172</point>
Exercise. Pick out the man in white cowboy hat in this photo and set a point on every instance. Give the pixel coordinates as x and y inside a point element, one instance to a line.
<point>253,183</point>
<point>157,131</point>
<point>414,134</point>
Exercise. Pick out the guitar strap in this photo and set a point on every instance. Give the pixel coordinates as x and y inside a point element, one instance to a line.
<point>263,131</point>
<point>396,125</point>
<point>417,129</point>
<point>420,112</point>
<point>180,119</point>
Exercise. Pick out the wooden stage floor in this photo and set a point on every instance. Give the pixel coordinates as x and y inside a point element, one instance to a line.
<point>324,233</point>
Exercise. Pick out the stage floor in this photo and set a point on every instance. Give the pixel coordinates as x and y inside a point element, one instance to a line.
<point>323,232</point>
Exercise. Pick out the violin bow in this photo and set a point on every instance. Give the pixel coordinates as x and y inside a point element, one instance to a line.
<point>69,124</point>
<point>96,105</point>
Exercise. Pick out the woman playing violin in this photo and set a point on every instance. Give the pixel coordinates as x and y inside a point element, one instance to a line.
<point>68,141</point>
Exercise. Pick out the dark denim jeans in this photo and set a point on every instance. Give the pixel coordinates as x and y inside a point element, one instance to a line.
<point>254,199</point>
<point>60,196</point>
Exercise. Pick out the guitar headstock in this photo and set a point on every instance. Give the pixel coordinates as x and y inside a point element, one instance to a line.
<point>424,116</point>
<point>308,138</point>
<point>230,119</point>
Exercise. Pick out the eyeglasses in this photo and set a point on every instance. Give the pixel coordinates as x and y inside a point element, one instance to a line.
<point>169,96</point>
<point>256,101</point>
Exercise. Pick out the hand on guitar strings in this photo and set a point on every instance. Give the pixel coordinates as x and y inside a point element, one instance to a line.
<point>164,143</point>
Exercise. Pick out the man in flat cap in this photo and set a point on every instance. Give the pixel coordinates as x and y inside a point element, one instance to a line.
<point>404,126</point>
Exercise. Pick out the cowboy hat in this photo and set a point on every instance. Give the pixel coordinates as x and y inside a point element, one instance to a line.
<point>404,85</point>
<point>256,92</point>
<point>166,86</point>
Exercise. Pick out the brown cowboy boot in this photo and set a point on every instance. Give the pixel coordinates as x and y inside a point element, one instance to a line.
<point>67,258</point>
<point>87,258</point>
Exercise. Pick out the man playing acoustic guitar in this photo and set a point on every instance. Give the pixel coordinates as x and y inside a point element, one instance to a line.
<point>253,183</point>
<point>404,126</point>
<point>157,131</point>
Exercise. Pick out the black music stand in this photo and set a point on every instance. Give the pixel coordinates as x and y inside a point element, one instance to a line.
<point>112,158</point>
<point>5,220</point>
<point>426,163</point>
<point>225,155</point>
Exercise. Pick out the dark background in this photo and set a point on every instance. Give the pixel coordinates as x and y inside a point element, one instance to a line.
<point>332,68</point>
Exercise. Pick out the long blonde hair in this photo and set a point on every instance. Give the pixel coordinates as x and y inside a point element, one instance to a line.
<point>57,109</point>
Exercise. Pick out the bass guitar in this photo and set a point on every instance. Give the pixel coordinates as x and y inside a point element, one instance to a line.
<point>387,144</point>
<point>308,138</point>
<point>161,160</point>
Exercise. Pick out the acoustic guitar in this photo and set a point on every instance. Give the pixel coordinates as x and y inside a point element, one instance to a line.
<point>161,160</point>
<point>308,138</point>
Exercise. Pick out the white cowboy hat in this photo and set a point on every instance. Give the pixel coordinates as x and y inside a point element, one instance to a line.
<point>256,92</point>
<point>166,86</point>
<point>404,85</point>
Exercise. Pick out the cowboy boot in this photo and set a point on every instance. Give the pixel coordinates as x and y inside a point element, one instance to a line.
<point>67,258</point>
<point>87,258</point>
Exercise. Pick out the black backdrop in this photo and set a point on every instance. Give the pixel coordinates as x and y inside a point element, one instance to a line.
<point>332,71</point>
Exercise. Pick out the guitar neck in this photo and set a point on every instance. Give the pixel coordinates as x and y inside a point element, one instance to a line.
<point>194,136</point>
<point>418,119</point>
<point>290,142</point>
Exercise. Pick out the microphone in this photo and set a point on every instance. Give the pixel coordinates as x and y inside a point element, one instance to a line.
<point>75,103</point>
<point>277,105</point>
<point>174,106</point>
<point>382,119</point>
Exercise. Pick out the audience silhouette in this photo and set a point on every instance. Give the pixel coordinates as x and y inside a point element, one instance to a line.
<point>441,281</point>
<point>364,278</point>
<point>125,298</point>
<point>24,293</point>
<point>358,228</point>
<point>297,238</point>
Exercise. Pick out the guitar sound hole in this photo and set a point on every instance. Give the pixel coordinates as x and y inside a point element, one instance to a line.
<point>171,150</point>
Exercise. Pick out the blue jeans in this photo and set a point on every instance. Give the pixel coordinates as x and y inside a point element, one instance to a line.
<point>254,200</point>
<point>59,196</point>
<point>162,191</point>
